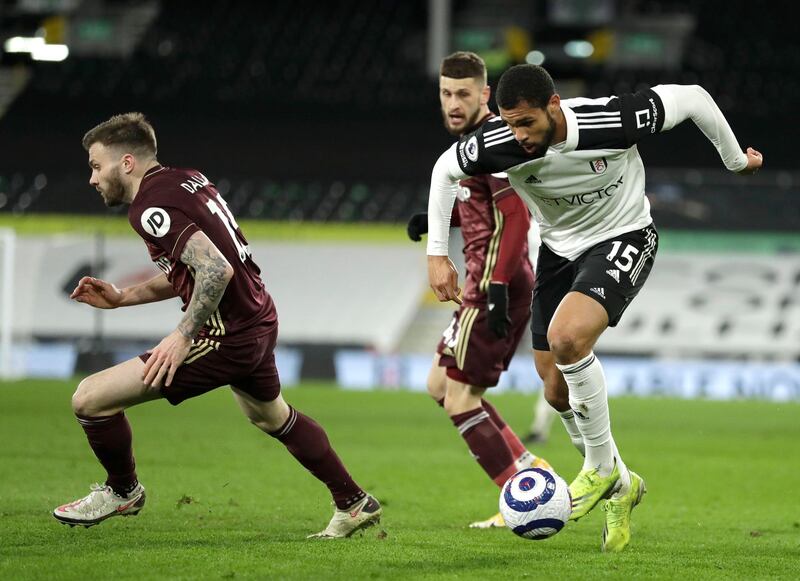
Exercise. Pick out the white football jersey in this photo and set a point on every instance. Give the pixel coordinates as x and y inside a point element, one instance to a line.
<point>586,189</point>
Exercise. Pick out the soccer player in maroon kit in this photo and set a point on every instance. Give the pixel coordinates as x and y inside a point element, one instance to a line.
<point>486,330</point>
<point>226,336</point>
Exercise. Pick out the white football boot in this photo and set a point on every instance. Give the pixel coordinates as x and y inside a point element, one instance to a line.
<point>363,514</point>
<point>101,503</point>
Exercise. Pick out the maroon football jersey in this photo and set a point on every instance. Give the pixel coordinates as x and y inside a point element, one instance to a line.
<point>476,209</point>
<point>172,204</point>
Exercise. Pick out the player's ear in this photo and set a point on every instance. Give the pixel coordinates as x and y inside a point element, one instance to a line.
<point>554,104</point>
<point>485,94</point>
<point>128,163</point>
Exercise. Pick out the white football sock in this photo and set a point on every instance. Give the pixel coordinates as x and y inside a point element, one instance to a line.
<point>568,419</point>
<point>588,398</point>
<point>622,485</point>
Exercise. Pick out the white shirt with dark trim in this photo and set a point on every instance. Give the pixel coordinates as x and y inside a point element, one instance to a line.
<point>590,187</point>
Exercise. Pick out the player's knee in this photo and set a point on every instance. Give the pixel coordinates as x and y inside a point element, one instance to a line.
<point>436,387</point>
<point>84,402</point>
<point>437,381</point>
<point>565,345</point>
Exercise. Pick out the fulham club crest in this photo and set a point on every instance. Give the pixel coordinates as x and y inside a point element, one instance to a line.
<point>599,165</point>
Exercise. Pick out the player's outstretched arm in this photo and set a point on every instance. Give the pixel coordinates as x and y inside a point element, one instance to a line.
<point>212,272</point>
<point>683,102</point>
<point>156,289</point>
<point>104,295</point>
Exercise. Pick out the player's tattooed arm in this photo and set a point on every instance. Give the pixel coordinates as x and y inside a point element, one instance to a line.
<point>212,272</point>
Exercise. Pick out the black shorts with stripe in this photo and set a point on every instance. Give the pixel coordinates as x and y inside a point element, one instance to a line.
<point>611,272</point>
<point>211,364</point>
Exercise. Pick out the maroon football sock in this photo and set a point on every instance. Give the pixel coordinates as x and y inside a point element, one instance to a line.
<point>513,441</point>
<point>486,444</point>
<point>112,442</point>
<point>308,443</point>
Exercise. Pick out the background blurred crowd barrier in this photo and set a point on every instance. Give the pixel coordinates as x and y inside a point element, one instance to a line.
<point>362,314</point>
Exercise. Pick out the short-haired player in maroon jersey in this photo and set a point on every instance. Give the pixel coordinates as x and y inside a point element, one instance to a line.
<point>226,336</point>
<point>486,330</point>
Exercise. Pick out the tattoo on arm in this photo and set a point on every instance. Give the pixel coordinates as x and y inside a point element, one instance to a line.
<point>211,275</point>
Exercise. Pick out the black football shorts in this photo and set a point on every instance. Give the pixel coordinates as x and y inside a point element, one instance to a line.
<point>611,272</point>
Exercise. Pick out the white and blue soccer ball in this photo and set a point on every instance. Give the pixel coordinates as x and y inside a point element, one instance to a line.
<point>535,503</point>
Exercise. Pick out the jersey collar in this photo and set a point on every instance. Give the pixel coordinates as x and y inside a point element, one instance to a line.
<point>571,142</point>
<point>150,172</point>
<point>155,169</point>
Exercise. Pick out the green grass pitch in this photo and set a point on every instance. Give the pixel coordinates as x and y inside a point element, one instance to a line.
<point>227,502</point>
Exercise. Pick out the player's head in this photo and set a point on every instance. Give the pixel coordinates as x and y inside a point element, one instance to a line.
<point>463,92</point>
<point>528,103</point>
<point>117,149</point>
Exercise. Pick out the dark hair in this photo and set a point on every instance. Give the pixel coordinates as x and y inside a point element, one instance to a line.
<point>463,65</point>
<point>129,130</point>
<point>529,83</point>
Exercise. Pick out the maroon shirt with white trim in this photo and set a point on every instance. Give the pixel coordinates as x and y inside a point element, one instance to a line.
<point>172,204</point>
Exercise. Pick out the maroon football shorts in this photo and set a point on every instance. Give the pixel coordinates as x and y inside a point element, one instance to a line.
<point>249,368</point>
<point>472,353</point>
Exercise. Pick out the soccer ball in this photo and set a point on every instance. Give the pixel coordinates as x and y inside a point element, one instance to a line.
<point>535,503</point>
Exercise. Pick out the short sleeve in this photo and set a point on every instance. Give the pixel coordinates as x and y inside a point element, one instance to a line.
<point>166,227</point>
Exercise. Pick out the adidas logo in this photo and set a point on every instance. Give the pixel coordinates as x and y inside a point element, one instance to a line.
<point>532,179</point>
<point>598,290</point>
<point>613,273</point>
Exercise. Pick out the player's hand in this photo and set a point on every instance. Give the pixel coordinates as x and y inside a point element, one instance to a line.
<point>165,359</point>
<point>417,226</point>
<point>754,162</point>
<point>97,293</point>
<point>497,305</point>
<point>443,278</point>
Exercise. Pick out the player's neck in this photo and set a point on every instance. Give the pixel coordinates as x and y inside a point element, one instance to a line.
<point>136,181</point>
<point>560,133</point>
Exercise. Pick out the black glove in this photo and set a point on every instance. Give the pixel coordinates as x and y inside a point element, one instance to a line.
<point>417,226</point>
<point>497,305</point>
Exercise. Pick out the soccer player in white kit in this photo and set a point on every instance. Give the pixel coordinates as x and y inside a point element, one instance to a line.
<point>576,164</point>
